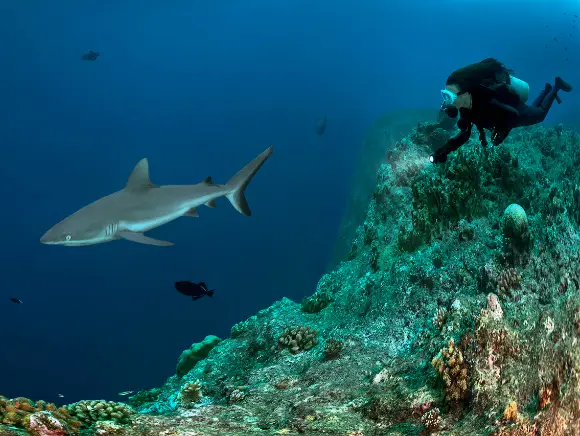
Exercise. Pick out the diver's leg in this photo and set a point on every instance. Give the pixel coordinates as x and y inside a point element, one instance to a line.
<point>540,98</point>
<point>530,115</point>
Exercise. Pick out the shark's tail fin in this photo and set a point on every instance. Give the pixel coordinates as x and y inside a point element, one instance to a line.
<point>240,181</point>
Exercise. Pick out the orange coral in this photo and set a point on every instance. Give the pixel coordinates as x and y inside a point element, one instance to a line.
<point>511,412</point>
<point>17,412</point>
<point>545,397</point>
<point>453,370</point>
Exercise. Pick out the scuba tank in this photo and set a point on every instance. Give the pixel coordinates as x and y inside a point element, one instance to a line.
<point>521,88</point>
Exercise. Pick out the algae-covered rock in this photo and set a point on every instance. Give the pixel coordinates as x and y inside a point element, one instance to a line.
<point>194,354</point>
<point>515,223</point>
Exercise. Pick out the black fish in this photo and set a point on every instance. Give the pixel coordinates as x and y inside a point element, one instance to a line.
<point>193,290</point>
<point>321,125</point>
<point>16,300</point>
<point>91,56</point>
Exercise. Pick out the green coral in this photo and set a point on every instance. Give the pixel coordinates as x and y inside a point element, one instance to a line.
<point>194,354</point>
<point>88,412</point>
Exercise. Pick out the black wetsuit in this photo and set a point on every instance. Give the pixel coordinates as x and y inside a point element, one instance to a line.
<point>498,110</point>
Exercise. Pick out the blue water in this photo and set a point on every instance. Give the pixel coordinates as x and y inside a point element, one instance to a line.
<point>200,88</point>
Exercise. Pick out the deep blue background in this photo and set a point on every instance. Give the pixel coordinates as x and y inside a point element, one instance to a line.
<point>200,88</point>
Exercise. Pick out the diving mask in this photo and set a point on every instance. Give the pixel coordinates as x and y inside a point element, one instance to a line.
<point>448,97</point>
<point>447,105</point>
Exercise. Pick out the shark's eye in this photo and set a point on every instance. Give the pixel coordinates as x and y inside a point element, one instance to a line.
<point>67,237</point>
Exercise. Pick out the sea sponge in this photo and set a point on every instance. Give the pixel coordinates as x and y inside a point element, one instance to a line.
<point>194,354</point>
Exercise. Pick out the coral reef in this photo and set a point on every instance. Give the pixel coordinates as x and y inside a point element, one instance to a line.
<point>456,312</point>
<point>89,412</point>
<point>34,416</point>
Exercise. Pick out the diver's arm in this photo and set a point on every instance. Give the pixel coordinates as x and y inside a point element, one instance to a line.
<point>453,144</point>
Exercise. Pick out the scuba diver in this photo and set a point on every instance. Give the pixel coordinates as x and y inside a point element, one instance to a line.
<point>485,94</point>
<point>90,56</point>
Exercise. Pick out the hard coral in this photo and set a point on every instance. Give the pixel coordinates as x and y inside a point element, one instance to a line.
<point>509,280</point>
<point>431,420</point>
<point>190,394</point>
<point>332,349</point>
<point>452,368</point>
<point>89,412</point>
<point>298,339</point>
<point>17,412</point>
<point>510,413</point>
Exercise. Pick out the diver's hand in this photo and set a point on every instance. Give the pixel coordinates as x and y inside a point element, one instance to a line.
<point>440,156</point>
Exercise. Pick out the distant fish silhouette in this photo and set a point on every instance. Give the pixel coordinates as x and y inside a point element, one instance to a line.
<point>321,125</point>
<point>194,290</point>
<point>90,56</point>
<point>16,300</point>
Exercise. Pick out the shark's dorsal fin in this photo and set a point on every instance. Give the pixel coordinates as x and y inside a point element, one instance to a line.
<point>208,181</point>
<point>139,178</point>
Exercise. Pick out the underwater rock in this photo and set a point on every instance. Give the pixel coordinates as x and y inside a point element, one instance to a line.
<point>45,424</point>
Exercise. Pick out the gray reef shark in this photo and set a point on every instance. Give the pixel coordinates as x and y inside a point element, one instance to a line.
<point>141,206</point>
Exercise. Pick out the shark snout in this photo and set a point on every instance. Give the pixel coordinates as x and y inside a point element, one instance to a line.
<point>45,239</point>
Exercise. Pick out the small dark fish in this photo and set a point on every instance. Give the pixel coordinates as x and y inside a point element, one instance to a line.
<point>321,125</point>
<point>90,56</point>
<point>16,300</point>
<point>194,290</point>
<point>60,396</point>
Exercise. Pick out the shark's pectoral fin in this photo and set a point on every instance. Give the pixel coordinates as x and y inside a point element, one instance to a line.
<point>192,212</point>
<point>142,239</point>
